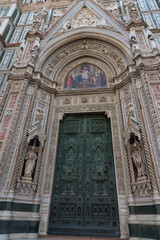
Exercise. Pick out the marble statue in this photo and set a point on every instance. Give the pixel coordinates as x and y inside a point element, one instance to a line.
<point>129,111</point>
<point>57,13</point>
<point>136,154</point>
<point>37,43</point>
<point>151,39</point>
<point>30,162</point>
<point>134,42</point>
<point>19,52</point>
<point>40,19</point>
<point>34,51</point>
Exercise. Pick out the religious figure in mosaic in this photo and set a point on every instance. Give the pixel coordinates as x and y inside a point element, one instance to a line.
<point>85,76</point>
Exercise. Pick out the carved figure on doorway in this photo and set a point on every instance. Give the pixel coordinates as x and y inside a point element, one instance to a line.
<point>19,52</point>
<point>30,162</point>
<point>34,51</point>
<point>39,19</point>
<point>134,42</point>
<point>129,111</point>
<point>136,155</point>
<point>151,39</point>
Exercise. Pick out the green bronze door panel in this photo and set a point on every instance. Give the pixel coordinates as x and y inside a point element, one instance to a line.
<point>84,200</point>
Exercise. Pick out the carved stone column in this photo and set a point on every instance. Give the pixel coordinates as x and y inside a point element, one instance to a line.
<point>10,116</point>
<point>151,107</point>
<point>23,142</point>
<point>146,144</point>
<point>45,197</point>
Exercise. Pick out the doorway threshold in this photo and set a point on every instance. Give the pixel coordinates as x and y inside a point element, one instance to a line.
<point>77,238</point>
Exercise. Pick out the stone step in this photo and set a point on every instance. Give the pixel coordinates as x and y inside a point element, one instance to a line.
<point>78,238</point>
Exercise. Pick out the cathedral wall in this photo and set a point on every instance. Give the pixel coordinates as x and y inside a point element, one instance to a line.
<point>40,61</point>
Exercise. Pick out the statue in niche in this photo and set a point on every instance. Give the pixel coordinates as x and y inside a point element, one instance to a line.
<point>19,52</point>
<point>129,111</point>
<point>133,141</point>
<point>36,22</point>
<point>40,19</point>
<point>136,155</point>
<point>151,39</point>
<point>30,162</point>
<point>34,51</point>
<point>134,42</point>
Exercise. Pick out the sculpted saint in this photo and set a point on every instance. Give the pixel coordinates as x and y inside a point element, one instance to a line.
<point>151,39</point>
<point>137,160</point>
<point>30,162</point>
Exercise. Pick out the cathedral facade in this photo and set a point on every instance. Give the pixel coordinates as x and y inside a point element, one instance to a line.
<point>80,118</point>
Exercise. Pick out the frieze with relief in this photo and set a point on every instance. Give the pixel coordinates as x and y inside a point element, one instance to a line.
<point>91,47</point>
<point>85,17</point>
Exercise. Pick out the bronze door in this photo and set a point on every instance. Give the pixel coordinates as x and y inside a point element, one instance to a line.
<point>84,199</point>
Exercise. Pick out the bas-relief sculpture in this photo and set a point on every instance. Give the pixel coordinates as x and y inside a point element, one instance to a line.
<point>84,18</point>
<point>85,76</point>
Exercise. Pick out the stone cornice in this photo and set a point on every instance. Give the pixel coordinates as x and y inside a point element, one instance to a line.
<point>41,85</point>
<point>33,34</point>
<point>15,77</point>
<point>85,92</point>
<point>120,81</point>
<point>147,56</point>
<point>33,81</point>
<point>150,67</point>
<point>125,81</point>
<point>8,45</point>
<point>155,30</point>
<point>136,23</point>
<point>48,4</point>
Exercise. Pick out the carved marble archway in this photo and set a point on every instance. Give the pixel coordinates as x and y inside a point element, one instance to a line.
<point>62,41</point>
<point>57,60</point>
<point>108,108</point>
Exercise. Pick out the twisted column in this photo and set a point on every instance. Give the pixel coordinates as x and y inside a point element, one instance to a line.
<point>128,179</point>
<point>145,141</point>
<point>23,141</point>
